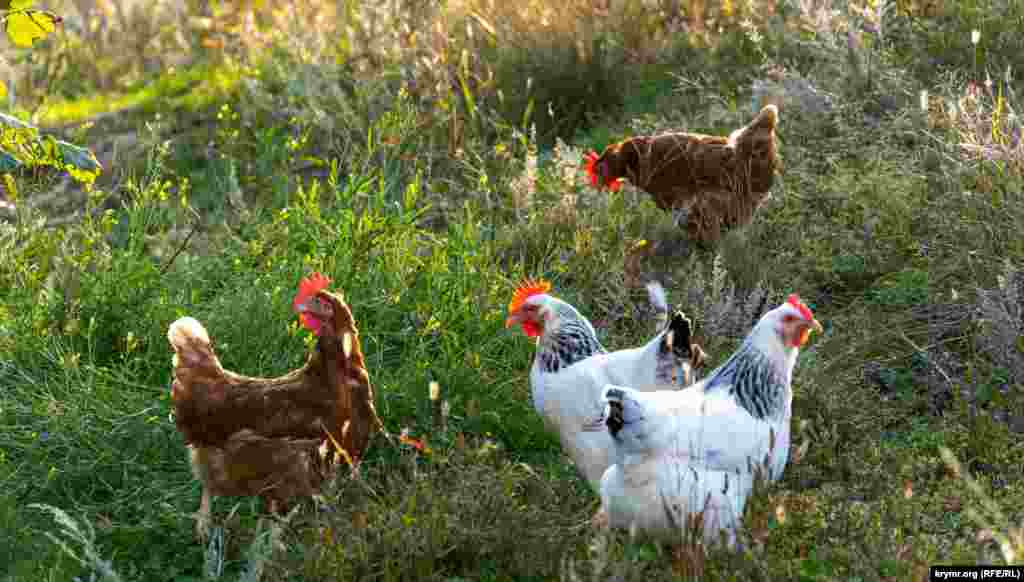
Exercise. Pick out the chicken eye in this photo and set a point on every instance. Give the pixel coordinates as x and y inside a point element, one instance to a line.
<point>325,306</point>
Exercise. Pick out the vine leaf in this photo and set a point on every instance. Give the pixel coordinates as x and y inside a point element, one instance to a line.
<point>21,145</point>
<point>25,26</point>
<point>80,162</point>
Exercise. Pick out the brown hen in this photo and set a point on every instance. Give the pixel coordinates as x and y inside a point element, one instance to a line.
<point>270,436</point>
<point>710,183</point>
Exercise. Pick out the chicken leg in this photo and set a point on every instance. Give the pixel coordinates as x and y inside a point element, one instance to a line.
<point>203,517</point>
<point>681,216</point>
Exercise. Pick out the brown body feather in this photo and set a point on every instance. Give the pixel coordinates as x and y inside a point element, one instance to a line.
<point>719,180</point>
<point>266,436</point>
<point>276,469</point>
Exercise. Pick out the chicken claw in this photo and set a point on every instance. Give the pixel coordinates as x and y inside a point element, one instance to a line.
<point>202,517</point>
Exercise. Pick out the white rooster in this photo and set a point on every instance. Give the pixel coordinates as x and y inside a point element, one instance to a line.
<point>680,452</point>
<point>571,368</point>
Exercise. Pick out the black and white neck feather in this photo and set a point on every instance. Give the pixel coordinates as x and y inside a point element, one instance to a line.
<point>568,338</point>
<point>759,383</point>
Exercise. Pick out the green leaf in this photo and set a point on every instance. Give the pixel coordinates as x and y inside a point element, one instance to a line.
<point>12,192</point>
<point>79,162</point>
<point>16,139</point>
<point>24,27</point>
<point>22,145</point>
<point>78,156</point>
<point>984,394</point>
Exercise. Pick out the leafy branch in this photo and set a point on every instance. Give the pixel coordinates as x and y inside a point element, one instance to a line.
<point>21,145</point>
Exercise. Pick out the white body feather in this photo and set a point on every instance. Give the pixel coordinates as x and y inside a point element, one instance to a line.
<point>694,449</point>
<point>678,452</point>
<point>571,368</point>
<point>568,398</point>
<point>656,498</point>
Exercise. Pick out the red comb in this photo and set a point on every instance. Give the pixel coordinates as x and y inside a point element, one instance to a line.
<point>591,160</point>
<point>527,289</point>
<point>309,287</point>
<point>591,167</point>
<point>805,311</point>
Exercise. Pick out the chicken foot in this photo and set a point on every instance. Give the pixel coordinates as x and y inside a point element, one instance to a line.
<point>203,516</point>
<point>681,216</point>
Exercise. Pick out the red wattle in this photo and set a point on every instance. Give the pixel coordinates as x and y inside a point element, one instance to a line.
<point>311,323</point>
<point>531,329</point>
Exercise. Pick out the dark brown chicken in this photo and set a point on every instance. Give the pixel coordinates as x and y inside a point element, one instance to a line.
<point>710,183</point>
<point>271,436</point>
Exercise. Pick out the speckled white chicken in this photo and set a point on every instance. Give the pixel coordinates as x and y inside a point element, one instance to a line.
<point>680,452</point>
<point>571,367</point>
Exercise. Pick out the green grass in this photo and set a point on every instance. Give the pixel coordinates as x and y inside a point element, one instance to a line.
<point>359,178</point>
<point>187,90</point>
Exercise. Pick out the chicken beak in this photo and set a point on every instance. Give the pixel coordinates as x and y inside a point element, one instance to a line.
<point>805,331</point>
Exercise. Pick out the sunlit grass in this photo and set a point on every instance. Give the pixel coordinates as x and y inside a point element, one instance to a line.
<point>186,90</point>
<point>426,197</point>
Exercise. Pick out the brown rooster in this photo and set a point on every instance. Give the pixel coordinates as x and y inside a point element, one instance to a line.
<point>270,436</point>
<point>710,183</point>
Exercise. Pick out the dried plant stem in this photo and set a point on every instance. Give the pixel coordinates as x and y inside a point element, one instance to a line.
<point>933,364</point>
<point>184,243</point>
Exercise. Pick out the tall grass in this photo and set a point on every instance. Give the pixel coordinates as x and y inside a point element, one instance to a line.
<point>426,157</point>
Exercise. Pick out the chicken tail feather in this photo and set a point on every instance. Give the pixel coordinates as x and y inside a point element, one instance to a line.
<point>681,329</point>
<point>621,409</point>
<point>191,343</point>
<point>768,118</point>
<point>678,355</point>
<point>659,300</point>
